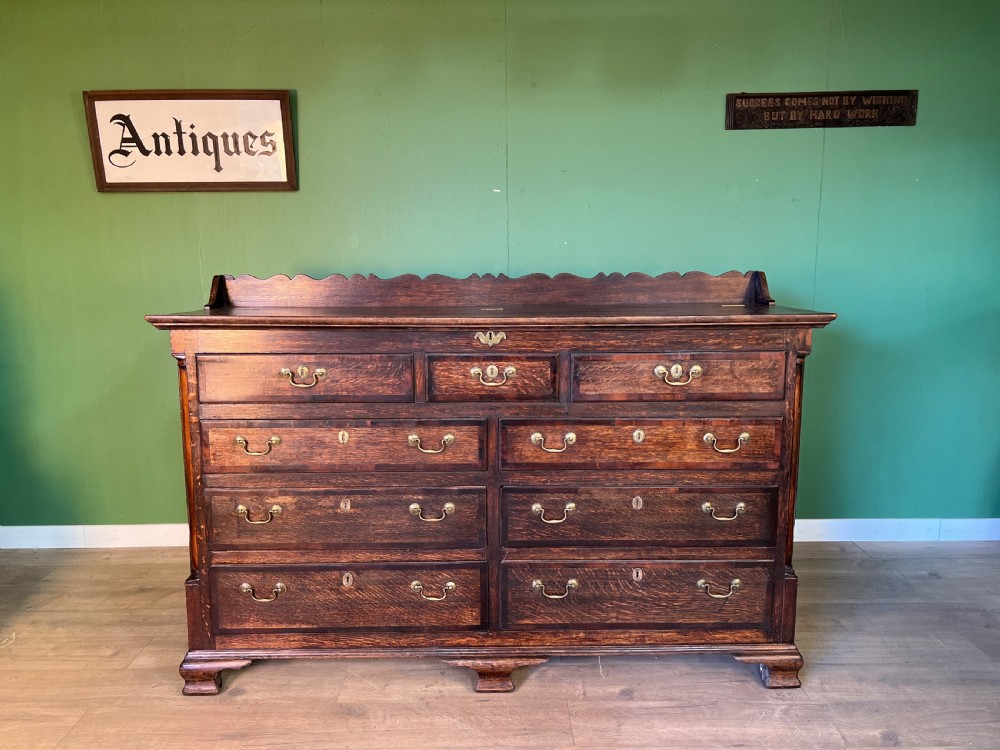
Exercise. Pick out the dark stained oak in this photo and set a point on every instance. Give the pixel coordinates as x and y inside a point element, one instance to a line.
<point>490,470</point>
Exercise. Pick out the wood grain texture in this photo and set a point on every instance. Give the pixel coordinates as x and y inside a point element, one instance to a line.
<point>632,377</point>
<point>259,378</point>
<point>348,518</point>
<point>348,597</point>
<point>667,444</point>
<point>637,516</point>
<point>519,378</point>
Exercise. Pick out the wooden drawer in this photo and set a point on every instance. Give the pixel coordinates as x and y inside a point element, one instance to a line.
<point>305,377</point>
<point>384,517</point>
<point>355,445</point>
<point>641,594</point>
<point>649,516</point>
<point>679,376</point>
<point>641,443</point>
<point>343,597</point>
<point>484,378</point>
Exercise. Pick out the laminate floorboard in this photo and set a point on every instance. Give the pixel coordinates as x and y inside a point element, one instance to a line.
<point>901,643</point>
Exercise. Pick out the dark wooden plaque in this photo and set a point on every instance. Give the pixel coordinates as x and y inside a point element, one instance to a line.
<point>825,109</point>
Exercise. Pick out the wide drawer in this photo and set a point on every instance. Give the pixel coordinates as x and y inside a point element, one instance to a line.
<point>641,594</point>
<point>305,377</point>
<point>641,443</point>
<point>342,597</point>
<point>390,516</point>
<point>646,516</point>
<point>679,376</point>
<point>509,378</point>
<point>370,445</point>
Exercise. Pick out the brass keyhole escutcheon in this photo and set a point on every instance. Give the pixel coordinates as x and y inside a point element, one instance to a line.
<point>637,502</point>
<point>348,580</point>
<point>637,574</point>
<point>638,436</point>
<point>345,504</point>
<point>343,436</point>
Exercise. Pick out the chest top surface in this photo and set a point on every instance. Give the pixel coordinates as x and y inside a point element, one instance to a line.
<point>635,299</point>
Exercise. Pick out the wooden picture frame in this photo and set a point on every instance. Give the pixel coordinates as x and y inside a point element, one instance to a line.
<point>191,140</point>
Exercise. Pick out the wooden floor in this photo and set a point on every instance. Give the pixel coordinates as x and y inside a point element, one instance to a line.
<point>901,642</point>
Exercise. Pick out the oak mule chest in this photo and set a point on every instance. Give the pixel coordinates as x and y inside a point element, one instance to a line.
<point>490,470</point>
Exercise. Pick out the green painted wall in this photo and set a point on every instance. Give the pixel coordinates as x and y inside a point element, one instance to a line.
<point>519,136</point>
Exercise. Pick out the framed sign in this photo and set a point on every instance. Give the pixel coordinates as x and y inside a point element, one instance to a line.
<point>191,140</point>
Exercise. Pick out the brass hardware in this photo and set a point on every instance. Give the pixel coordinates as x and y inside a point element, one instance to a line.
<point>345,504</point>
<point>637,502</point>
<point>675,372</point>
<point>637,574</point>
<point>742,440</point>
<point>707,588</point>
<point>303,373</point>
<point>568,439</point>
<point>343,437</point>
<point>446,589</point>
<point>539,511</point>
<point>492,371</point>
<point>278,590</point>
<point>738,511</point>
<point>491,339</point>
<point>243,512</point>
<point>571,584</point>
<point>638,436</point>
<point>348,580</point>
<point>446,510</point>
<point>242,442</point>
<point>414,442</point>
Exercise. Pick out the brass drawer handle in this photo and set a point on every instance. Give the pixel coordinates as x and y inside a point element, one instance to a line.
<point>738,511</point>
<point>675,372</point>
<point>243,512</point>
<point>278,590</point>
<point>446,510</point>
<point>414,442</point>
<point>705,586</point>
<point>446,589</point>
<point>492,372</point>
<point>242,442</point>
<point>571,584</point>
<point>538,439</point>
<point>539,511</point>
<point>742,440</point>
<point>303,373</point>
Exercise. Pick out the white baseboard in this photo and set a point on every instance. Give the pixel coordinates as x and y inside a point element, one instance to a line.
<point>806,530</point>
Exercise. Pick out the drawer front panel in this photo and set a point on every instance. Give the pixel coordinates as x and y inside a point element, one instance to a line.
<point>679,376</point>
<point>339,597</point>
<point>649,516</point>
<point>646,594</point>
<point>305,377</point>
<point>485,378</point>
<point>380,445</point>
<point>393,516</point>
<point>642,443</point>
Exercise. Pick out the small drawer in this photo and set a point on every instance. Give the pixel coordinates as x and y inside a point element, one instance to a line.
<point>647,516</point>
<point>452,517</point>
<point>679,376</point>
<point>370,445</point>
<point>279,597</point>
<point>641,443</point>
<point>304,377</point>
<point>516,378</point>
<point>637,594</point>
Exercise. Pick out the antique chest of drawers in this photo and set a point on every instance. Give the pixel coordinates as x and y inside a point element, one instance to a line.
<point>490,470</point>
